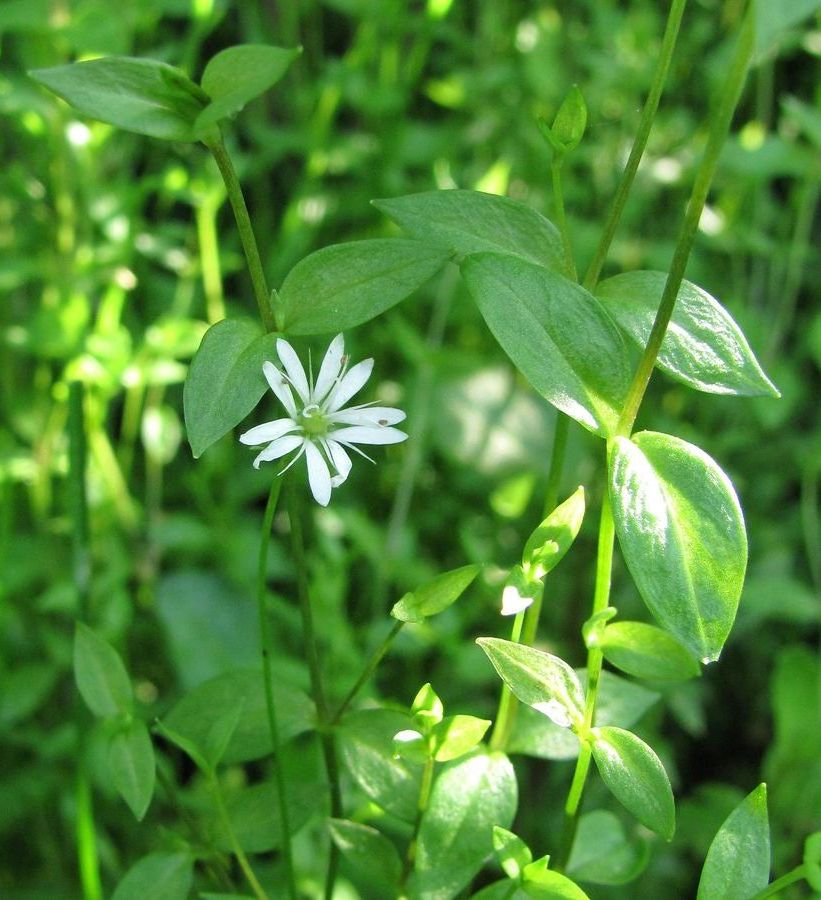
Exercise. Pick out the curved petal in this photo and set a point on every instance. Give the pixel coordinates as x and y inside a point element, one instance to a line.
<point>278,384</point>
<point>330,369</point>
<point>293,369</point>
<point>371,415</point>
<point>341,461</point>
<point>351,382</point>
<point>278,448</point>
<point>368,434</point>
<point>268,431</point>
<point>319,478</point>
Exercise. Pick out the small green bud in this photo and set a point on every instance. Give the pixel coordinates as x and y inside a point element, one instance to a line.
<point>568,127</point>
<point>427,709</point>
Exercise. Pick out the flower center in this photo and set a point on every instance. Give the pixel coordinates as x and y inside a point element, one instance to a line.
<point>313,422</point>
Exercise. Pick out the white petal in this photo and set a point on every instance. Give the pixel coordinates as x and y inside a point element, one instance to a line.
<point>293,368</point>
<point>277,383</point>
<point>268,431</point>
<point>351,382</point>
<point>341,460</point>
<point>370,415</point>
<point>319,478</point>
<point>278,448</point>
<point>330,369</point>
<point>368,434</point>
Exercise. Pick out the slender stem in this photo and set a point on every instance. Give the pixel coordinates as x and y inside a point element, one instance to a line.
<point>87,859</point>
<point>267,679</point>
<point>719,127</point>
<point>557,453</point>
<point>648,114</point>
<point>246,232</point>
<point>421,807</point>
<point>242,859</point>
<point>797,874</point>
<point>508,704</point>
<point>206,215</point>
<point>561,218</point>
<point>317,688</point>
<point>367,672</point>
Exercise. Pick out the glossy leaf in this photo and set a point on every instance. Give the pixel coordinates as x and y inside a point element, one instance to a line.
<point>469,797</point>
<point>455,736</point>
<point>556,334</point>
<point>511,851</point>
<point>681,530</point>
<point>635,777</point>
<point>368,852</point>
<point>738,861</point>
<point>603,854</point>
<point>225,381</point>
<point>645,651</point>
<point>100,675</point>
<point>345,285</point>
<point>141,95</point>
<point>169,874</point>
<point>435,596</point>
<point>131,763</point>
<point>703,345</point>
<point>540,881</point>
<point>548,544</point>
<point>467,222</point>
<point>812,860</point>
<point>538,679</point>
<point>238,74</point>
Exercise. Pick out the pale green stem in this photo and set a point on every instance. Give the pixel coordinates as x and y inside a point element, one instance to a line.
<point>206,216</point>
<point>503,723</point>
<point>86,835</point>
<point>772,890</point>
<point>421,808</point>
<point>561,218</point>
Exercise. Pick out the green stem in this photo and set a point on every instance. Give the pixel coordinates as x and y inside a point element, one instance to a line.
<point>639,143</point>
<point>206,217</point>
<point>557,453</point>
<point>246,232</point>
<point>421,807</point>
<point>317,688</point>
<point>508,704</point>
<point>367,672</point>
<point>87,859</point>
<point>797,874</point>
<point>719,127</point>
<point>561,218</point>
<point>225,819</point>
<point>267,679</point>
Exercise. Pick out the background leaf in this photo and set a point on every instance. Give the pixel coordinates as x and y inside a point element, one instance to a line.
<point>435,596</point>
<point>100,674</point>
<point>169,874</point>
<point>368,851</point>
<point>603,854</point>
<point>131,762</point>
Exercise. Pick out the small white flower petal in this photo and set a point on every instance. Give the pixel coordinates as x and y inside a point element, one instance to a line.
<point>368,434</point>
<point>319,478</point>
<point>278,448</point>
<point>268,431</point>
<point>278,384</point>
<point>371,415</point>
<point>351,382</point>
<point>330,369</point>
<point>341,461</point>
<point>293,368</point>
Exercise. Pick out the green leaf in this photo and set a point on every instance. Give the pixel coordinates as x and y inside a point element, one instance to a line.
<point>681,531</point>
<point>131,763</point>
<point>812,860</point>
<point>519,591</point>
<point>225,381</point>
<point>100,674</point>
<point>547,545</point>
<point>455,736</point>
<point>345,285</point>
<point>435,596</point>
<point>511,851</point>
<point>410,745</point>
<point>467,222</point>
<point>427,709</point>
<point>369,853</point>
<point>210,710</point>
<point>238,74</point>
<point>635,777</point>
<point>602,852</point>
<point>469,797</point>
<point>738,861</point>
<point>540,881</point>
<point>169,875</point>
<point>645,651</point>
<point>557,335</point>
<point>703,345</point>
<point>538,679</point>
<point>140,95</point>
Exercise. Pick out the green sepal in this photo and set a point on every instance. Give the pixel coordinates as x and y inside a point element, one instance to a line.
<point>569,124</point>
<point>538,880</point>
<point>427,709</point>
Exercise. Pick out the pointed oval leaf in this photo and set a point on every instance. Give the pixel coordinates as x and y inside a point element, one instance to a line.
<point>369,853</point>
<point>703,345</point>
<point>537,679</point>
<point>636,778</point>
<point>469,797</point>
<point>467,222</point>
<point>645,651</point>
<point>169,874</point>
<point>681,531</point>
<point>100,675</point>
<point>511,851</point>
<point>345,285</point>
<point>603,854</point>
<point>131,762</point>
<point>547,545</point>
<point>556,334</point>
<point>540,881</point>
<point>435,596</point>
<point>140,95</point>
<point>455,736</point>
<point>238,74</point>
<point>738,861</point>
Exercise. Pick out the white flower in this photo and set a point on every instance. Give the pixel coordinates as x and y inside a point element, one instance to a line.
<point>317,426</point>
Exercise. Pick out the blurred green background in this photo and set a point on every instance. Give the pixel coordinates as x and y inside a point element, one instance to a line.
<point>116,252</point>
